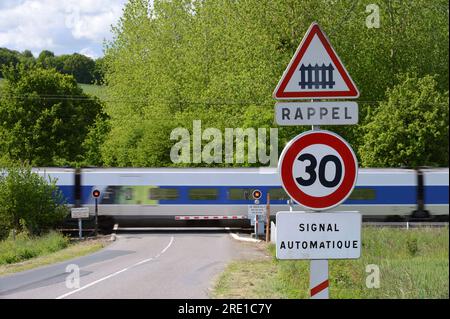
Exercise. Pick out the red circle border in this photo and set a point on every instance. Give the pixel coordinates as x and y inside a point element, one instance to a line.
<point>332,140</point>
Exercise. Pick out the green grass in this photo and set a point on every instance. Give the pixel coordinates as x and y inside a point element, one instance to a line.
<point>412,263</point>
<point>95,90</point>
<point>27,253</point>
<point>24,247</point>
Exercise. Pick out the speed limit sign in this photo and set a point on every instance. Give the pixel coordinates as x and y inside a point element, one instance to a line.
<point>318,169</point>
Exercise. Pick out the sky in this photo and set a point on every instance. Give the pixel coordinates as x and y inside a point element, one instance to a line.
<point>61,26</point>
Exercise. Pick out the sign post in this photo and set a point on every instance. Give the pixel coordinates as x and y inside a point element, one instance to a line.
<point>268,218</point>
<point>318,279</point>
<point>318,168</point>
<point>80,213</point>
<point>96,194</point>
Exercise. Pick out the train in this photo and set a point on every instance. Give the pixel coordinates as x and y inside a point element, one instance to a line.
<point>142,197</point>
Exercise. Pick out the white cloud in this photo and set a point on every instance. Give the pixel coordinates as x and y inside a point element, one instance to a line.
<point>63,26</point>
<point>89,52</point>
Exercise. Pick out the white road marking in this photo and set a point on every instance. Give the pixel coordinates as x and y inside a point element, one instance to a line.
<point>117,272</point>
<point>235,236</point>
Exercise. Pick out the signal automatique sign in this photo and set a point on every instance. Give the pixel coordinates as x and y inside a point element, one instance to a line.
<point>318,169</point>
<point>318,236</point>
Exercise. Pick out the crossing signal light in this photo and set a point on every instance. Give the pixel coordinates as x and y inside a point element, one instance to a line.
<point>257,194</point>
<point>96,193</point>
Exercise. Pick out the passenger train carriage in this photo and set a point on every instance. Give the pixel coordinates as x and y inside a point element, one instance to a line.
<point>177,196</point>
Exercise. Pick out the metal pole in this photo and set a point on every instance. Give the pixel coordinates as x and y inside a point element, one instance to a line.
<point>96,217</point>
<point>318,279</point>
<point>80,228</point>
<point>318,269</point>
<point>315,127</point>
<point>268,218</point>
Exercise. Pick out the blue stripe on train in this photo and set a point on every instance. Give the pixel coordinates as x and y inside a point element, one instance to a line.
<point>436,195</point>
<point>400,195</point>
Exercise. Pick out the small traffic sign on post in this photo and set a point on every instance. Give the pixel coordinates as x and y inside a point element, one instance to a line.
<point>96,194</point>
<point>80,213</point>
<point>318,169</point>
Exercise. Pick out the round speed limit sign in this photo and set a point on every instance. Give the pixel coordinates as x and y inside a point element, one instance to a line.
<point>318,169</point>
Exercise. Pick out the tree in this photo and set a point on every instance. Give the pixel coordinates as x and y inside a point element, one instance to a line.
<point>26,199</point>
<point>80,66</point>
<point>220,60</point>
<point>8,57</point>
<point>26,58</point>
<point>410,128</point>
<point>47,60</point>
<point>95,138</point>
<point>99,71</point>
<point>44,116</point>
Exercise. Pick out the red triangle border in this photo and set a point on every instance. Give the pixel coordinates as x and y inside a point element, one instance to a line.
<point>279,92</point>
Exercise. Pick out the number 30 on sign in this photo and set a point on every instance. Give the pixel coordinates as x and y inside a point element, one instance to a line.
<point>318,169</point>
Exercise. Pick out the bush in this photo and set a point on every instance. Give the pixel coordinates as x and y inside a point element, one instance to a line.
<point>24,247</point>
<point>28,202</point>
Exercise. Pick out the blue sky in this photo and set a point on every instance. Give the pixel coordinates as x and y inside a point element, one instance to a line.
<point>61,26</point>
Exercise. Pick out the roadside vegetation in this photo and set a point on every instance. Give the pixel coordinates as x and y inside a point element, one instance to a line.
<point>219,62</point>
<point>27,252</point>
<point>29,203</point>
<point>23,246</point>
<point>412,264</point>
<point>31,208</point>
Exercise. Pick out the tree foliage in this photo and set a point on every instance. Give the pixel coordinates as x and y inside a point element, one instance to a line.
<point>219,61</point>
<point>80,66</point>
<point>83,68</point>
<point>28,200</point>
<point>410,128</point>
<point>44,116</point>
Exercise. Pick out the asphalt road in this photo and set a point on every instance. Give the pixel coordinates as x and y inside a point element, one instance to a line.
<point>170,264</point>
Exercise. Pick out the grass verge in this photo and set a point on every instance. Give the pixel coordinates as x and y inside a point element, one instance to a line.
<point>27,253</point>
<point>95,90</point>
<point>412,264</point>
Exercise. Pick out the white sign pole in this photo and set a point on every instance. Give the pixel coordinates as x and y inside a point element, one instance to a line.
<point>318,269</point>
<point>318,279</point>
<point>80,228</point>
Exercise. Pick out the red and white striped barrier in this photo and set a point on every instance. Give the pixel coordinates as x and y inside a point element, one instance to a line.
<point>318,274</point>
<point>209,217</point>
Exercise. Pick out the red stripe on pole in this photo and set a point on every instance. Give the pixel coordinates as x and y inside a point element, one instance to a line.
<point>319,288</point>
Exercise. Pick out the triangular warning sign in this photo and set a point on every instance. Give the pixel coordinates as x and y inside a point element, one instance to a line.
<point>315,71</point>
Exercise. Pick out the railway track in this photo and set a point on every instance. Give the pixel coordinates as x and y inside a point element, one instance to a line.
<point>406,225</point>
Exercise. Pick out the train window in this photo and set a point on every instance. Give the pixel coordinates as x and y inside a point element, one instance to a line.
<point>203,193</point>
<point>163,193</point>
<point>363,194</point>
<point>240,194</point>
<point>128,193</point>
<point>278,194</point>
